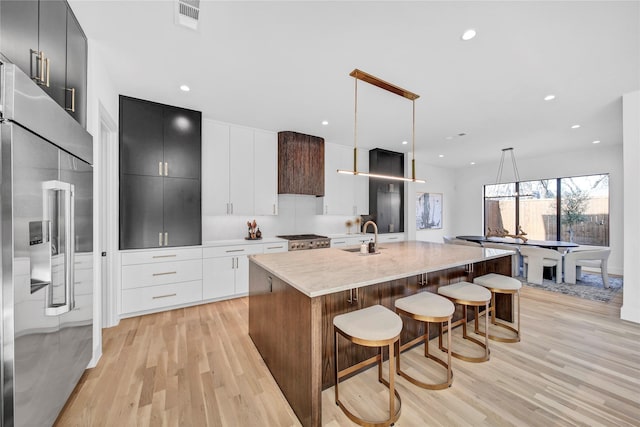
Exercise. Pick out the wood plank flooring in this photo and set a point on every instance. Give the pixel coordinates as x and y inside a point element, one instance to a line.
<point>577,364</point>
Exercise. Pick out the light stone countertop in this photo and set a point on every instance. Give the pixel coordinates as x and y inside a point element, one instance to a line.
<point>234,242</point>
<point>325,271</point>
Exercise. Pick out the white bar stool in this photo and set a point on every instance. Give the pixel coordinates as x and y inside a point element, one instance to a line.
<point>374,326</point>
<point>468,294</point>
<point>428,308</point>
<point>499,284</point>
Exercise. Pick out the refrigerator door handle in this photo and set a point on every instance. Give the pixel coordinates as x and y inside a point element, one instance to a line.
<point>53,307</point>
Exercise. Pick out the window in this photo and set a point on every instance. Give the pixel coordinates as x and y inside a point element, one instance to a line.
<point>574,209</point>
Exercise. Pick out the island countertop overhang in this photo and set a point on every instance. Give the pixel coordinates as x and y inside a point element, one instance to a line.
<point>326,271</point>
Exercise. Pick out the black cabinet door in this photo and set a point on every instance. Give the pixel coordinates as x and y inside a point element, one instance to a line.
<point>52,41</point>
<point>182,146</point>
<point>141,137</point>
<point>182,214</point>
<point>19,33</point>
<point>140,211</point>
<point>76,79</point>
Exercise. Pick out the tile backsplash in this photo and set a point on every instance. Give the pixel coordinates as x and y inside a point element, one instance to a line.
<point>296,215</point>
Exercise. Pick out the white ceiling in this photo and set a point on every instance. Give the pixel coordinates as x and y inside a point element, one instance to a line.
<point>285,66</point>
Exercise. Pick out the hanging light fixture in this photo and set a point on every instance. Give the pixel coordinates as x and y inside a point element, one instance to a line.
<point>366,77</point>
<point>521,234</point>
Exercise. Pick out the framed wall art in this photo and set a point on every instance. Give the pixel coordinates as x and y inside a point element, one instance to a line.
<point>428,211</point>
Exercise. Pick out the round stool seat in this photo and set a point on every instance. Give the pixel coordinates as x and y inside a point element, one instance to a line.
<point>498,282</point>
<point>375,323</point>
<point>426,304</point>
<point>465,291</point>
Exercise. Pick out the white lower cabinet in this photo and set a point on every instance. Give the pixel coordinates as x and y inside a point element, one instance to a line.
<point>155,280</point>
<point>226,270</point>
<point>337,242</point>
<point>159,279</point>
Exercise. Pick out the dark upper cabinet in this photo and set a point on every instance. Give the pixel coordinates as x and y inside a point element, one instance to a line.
<point>141,205</point>
<point>182,211</point>
<point>52,42</point>
<point>19,34</point>
<point>35,36</point>
<point>76,78</point>
<point>300,164</point>
<point>141,137</point>
<point>160,149</point>
<point>182,131</point>
<point>386,197</point>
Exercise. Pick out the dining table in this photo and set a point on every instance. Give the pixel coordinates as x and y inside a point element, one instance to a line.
<point>557,245</point>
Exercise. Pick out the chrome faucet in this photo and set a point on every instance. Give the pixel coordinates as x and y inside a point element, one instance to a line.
<point>375,231</point>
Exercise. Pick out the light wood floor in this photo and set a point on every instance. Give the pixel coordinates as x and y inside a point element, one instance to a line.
<point>577,364</point>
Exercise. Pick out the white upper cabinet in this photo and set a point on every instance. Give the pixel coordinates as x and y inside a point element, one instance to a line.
<point>215,168</point>
<point>344,194</point>
<point>265,178</point>
<point>239,170</point>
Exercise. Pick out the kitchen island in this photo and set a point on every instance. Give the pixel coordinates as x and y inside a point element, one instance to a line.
<point>294,296</point>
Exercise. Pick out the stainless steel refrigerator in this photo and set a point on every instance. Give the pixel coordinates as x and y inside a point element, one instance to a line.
<point>46,226</point>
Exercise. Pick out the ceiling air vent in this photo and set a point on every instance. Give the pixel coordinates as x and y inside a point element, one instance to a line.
<point>187,13</point>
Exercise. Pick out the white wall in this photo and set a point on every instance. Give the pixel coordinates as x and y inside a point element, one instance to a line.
<point>631,136</point>
<point>438,180</point>
<point>102,98</point>
<point>592,159</point>
<point>296,215</point>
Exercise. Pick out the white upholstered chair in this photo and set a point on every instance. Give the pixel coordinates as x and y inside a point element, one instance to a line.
<point>535,259</point>
<point>455,241</point>
<point>574,261</point>
<point>515,259</point>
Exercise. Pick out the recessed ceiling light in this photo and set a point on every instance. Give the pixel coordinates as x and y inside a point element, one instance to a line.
<point>441,155</point>
<point>468,34</point>
<point>596,142</point>
<point>405,142</point>
<point>472,163</point>
<point>550,97</point>
<point>185,88</point>
<point>324,123</point>
<point>575,126</point>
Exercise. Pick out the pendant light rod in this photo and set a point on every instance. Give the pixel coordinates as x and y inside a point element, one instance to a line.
<point>366,77</point>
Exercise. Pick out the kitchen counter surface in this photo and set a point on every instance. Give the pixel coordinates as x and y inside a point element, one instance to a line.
<point>234,242</point>
<point>325,271</point>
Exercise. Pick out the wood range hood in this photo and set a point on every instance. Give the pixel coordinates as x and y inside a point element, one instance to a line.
<point>300,164</point>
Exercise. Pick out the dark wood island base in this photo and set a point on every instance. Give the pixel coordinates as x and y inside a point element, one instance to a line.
<point>294,332</point>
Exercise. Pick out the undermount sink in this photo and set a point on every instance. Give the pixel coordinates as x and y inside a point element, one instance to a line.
<point>358,250</point>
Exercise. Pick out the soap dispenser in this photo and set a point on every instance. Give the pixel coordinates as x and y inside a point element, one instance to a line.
<point>363,247</point>
<point>372,247</point>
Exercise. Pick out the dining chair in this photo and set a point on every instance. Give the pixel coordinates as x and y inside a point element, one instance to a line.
<point>535,259</point>
<point>575,260</point>
<point>515,259</point>
<point>456,241</point>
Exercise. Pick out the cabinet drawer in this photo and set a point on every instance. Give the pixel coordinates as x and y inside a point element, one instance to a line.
<point>83,261</point>
<point>149,298</point>
<point>164,255</point>
<point>276,247</point>
<point>83,282</point>
<point>389,238</point>
<point>237,250</point>
<point>141,275</point>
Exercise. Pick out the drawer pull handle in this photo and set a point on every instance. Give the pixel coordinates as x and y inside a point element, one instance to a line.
<point>164,256</point>
<point>164,296</point>
<point>275,247</point>
<point>235,250</point>
<point>164,274</point>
